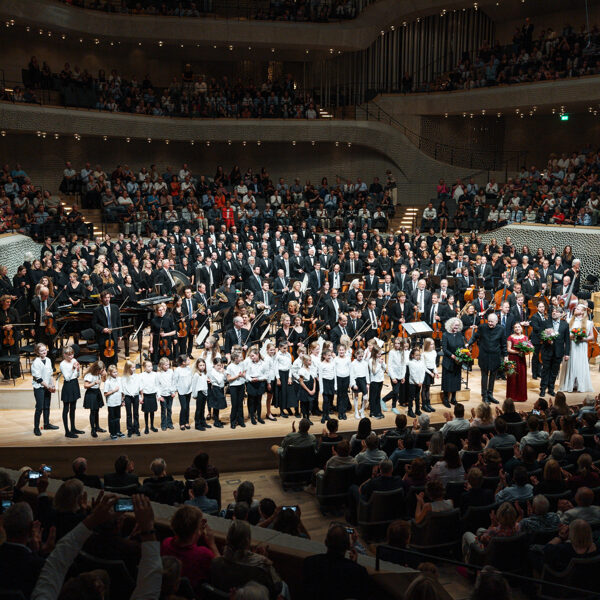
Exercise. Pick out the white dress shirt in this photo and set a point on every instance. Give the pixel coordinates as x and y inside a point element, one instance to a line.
<point>182,380</point>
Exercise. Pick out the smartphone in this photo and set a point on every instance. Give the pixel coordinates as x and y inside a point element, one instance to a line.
<point>535,412</point>
<point>350,530</point>
<point>6,504</point>
<point>47,469</point>
<point>292,508</point>
<point>33,478</point>
<point>124,505</point>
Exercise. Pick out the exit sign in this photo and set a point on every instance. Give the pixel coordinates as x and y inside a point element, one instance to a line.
<point>564,117</point>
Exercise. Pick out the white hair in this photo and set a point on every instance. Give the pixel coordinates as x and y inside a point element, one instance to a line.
<point>450,324</point>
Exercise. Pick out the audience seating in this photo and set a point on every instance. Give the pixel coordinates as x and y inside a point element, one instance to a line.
<point>363,472</point>
<point>121,581</point>
<point>296,466</point>
<point>508,554</point>
<point>439,533</point>
<point>582,573</point>
<point>382,508</point>
<point>126,490</point>
<point>333,485</point>
<point>214,489</point>
<point>226,574</point>
<point>422,438</point>
<point>517,429</point>
<point>477,517</point>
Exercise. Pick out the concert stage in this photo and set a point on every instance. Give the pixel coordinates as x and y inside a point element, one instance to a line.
<point>233,450</point>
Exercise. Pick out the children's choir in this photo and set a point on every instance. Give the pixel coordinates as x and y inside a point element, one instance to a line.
<point>349,379</point>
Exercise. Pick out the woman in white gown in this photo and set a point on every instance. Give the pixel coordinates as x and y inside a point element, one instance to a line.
<point>575,373</point>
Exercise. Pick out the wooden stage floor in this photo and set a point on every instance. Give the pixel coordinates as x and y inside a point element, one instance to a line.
<point>233,450</point>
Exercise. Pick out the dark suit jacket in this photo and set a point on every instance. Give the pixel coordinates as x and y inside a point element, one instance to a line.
<point>492,346</point>
<point>328,311</point>
<point>35,308</point>
<point>99,322</point>
<point>162,278</point>
<point>313,282</point>
<point>537,323</point>
<point>327,577</point>
<point>231,339</point>
<point>19,568</point>
<point>561,345</point>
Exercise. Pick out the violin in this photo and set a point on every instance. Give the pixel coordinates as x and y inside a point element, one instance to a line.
<point>194,326</point>
<point>50,328</point>
<point>163,346</point>
<point>9,335</point>
<point>401,331</point>
<point>182,328</point>
<point>109,348</point>
<point>438,330</point>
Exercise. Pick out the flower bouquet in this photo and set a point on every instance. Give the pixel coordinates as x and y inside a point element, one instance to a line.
<point>526,347</point>
<point>548,335</point>
<point>509,367</point>
<point>464,356</point>
<point>578,334</point>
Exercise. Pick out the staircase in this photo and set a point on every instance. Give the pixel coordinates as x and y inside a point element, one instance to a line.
<point>406,216</point>
<point>91,216</point>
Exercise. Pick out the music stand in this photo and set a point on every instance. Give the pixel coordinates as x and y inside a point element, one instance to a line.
<point>417,329</point>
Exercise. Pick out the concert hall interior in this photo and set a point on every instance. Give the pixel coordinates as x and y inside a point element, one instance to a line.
<point>299,299</point>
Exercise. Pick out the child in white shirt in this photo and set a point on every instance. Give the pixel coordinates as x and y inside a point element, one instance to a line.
<point>418,370</point>
<point>130,386</point>
<point>114,399</point>
<point>359,382</point>
<point>342,364</point>
<point>182,383</point>
<point>200,392</point>
<point>166,392</point>
<point>149,390</point>
<point>430,358</point>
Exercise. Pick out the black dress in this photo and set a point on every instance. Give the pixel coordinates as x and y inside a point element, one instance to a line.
<point>451,369</point>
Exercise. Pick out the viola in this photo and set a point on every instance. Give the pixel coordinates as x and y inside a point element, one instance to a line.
<point>163,346</point>
<point>50,328</point>
<point>182,329</point>
<point>474,348</point>
<point>438,331</point>
<point>194,326</point>
<point>401,331</point>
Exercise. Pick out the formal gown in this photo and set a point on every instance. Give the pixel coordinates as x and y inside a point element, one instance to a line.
<point>516,384</point>
<point>575,373</point>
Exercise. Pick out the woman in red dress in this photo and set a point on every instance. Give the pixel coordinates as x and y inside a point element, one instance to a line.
<point>516,384</point>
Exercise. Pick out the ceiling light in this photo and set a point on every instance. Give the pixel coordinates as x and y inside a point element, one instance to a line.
<point>105,137</point>
<point>258,142</point>
<point>244,143</point>
<point>3,133</point>
<point>208,142</point>
<point>149,140</point>
<point>167,142</point>
<point>56,136</point>
<point>128,140</point>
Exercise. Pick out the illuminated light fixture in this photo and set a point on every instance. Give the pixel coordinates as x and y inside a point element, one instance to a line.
<point>313,143</point>
<point>382,32</point>
<point>105,137</point>
<point>534,108</point>
<point>96,41</point>
<point>215,46</point>
<point>404,24</point>
<point>167,142</point>
<point>139,43</point>
<point>595,112</point>
<point>181,45</point>
<point>63,36</point>
<point>307,51</point>
<point>81,40</point>
<point>475,5</point>
<point>27,29</point>
<point>149,140</point>
<point>41,32</point>
<point>44,134</point>
<point>229,142</point>
<point>337,144</point>
<point>208,142</point>
<point>128,140</point>
<point>293,142</point>
<point>3,133</point>
<point>197,45</point>
<point>258,142</point>
<point>112,43</point>
<point>244,143</point>
<point>49,33</point>
<point>230,47</point>
<point>160,43</point>
<point>249,47</point>
<point>522,115</point>
<point>392,28</point>
<point>471,115</point>
<point>499,115</point>
<point>12,21</point>
<point>445,115</point>
<point>38,133</point>
<point>56,136</point>
<point>272,49</point>
<point>483,111</point>
<point>349,144</point>
<point>464,114</point>
<point>191,142</point>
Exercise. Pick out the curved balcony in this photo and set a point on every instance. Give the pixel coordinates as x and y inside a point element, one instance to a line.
<point>350,35</point>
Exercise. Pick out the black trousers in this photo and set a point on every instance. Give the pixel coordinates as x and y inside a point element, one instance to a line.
<point>414,393</point>
<point>68,413</point>
<point>394,393</point>
<point>237,393</point>
<point>425,396</point>
<point>132,407</point>
<point>488,378</point>
<point>199,416</point>
<point>536,363</point>
<point>550,369</point>
<point>184,413</point>
<point>327,404</point>
<point>42,406</point>
<point>254,406</point>
<point>114,419</point>
<point>375,398</point>
<point>94,419</point>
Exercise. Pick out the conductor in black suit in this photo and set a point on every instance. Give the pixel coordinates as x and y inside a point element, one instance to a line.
<point>492,350</point>
<point>555,352</point>
<point>538,323</point>
<point>338,331</point>
<point>237,336</point>
<point>105,319</point>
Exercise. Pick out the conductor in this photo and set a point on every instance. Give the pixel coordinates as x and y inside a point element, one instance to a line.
<point>105,319</point>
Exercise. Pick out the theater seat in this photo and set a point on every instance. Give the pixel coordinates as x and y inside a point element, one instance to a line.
<point>507,554</point>
<point>476,517</point>
<point>582,573</point>
<point>333,485</point>
<point>439,533</point>
<point>296,466</point>
<point>382,508</point>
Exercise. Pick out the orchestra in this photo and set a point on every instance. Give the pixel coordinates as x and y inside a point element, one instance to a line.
<point>293,323</point>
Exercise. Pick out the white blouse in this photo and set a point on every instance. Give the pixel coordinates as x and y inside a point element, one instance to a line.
<point>233,370</point>
<point>358,369</point>
<point>217,378</point>
<point>182,380</point>
<point>377,374</point>
<point>149,382</point>
<point>199,384</point>
<point>342,366</point>
<point>417,370</point>
<point>112,383</point>
<point>164,382</point>
<point>130,385</point>
<point>69,370</point>
<point>41,370</point>
<point>258,371</point>
<point>430,360</point>
<point>283,361</point>
<point>396,365</point>
<point>326,371</point>
<point>94,380</point>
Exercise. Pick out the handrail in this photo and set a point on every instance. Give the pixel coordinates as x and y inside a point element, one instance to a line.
<point>492,160</point>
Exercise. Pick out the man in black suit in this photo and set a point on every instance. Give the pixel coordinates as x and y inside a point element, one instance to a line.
<point>389,288</point>
<point>435,311</point>
<point>538,323</point>
<point>266,264</point>
<point>123,475</point>
<point>371,315</point>
<point>402,278</point>
<point>164,278</point>
<point>189,309</point>
<point>281,286</point>
<point>254,282</point>
<point>316,278</point>
<point>105,320</point>
<point>530,285</point>
<point>555,352</point>
<point>20,566</point>
<point>492,350</point>
<point>519,310</point>
<point>444,292</point>
<point>484,271</point>
<point>41,310</point>
<point>480,303</point>
<point>438,269</point>
<point>506,319</point>
<point>355,324</point>
<point>371,280</point>
<point>236,336</point>
<point>353,264</point>
<point>338,331</point>
<point>332,308</point>
<point>421,298</point>
<point>336,277</point>
<point>208,275</point>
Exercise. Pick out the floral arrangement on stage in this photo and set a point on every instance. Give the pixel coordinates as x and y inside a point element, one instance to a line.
<point>578,334</point>
<point>464,356</point>
<point>548,335</point>
<point>509,367</point>
<point>526,347</point>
